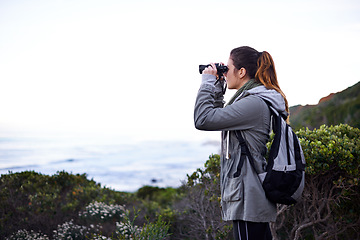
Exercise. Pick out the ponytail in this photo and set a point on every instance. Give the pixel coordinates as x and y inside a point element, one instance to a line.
<point>258,65</point>
<point>266,74</point>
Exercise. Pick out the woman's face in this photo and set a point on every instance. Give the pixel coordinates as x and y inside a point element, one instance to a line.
<point>232,78</point>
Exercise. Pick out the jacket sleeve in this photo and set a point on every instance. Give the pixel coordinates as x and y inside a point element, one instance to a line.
<point>210,115</point>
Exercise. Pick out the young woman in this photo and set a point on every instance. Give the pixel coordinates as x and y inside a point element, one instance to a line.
<point>252,73</point>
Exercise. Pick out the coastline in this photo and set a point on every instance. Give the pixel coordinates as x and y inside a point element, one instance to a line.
<point>116,165</point>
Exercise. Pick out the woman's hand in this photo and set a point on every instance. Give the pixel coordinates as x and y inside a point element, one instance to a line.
<point>210,70</point>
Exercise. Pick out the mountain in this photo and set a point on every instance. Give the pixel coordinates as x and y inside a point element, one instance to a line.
<point>340,107</point>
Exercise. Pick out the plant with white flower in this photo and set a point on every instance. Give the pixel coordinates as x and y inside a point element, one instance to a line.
<point>126,229</point>
<point>24,234</point>
<point>101,212</point>
<point>69,230</point>
<point>98,237</point>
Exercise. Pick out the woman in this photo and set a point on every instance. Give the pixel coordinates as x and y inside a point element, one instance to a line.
<point>252,73</point>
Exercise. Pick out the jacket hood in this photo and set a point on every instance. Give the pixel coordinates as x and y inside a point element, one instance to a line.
<point>274,98</point>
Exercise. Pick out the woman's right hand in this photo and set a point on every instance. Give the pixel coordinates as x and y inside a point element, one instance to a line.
<point>210,70</point>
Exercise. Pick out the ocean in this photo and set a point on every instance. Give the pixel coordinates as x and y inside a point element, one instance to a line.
<point>113,162</point>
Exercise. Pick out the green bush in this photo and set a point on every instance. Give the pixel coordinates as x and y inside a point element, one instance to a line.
<point>93,222</point>
<point>71,230</point>
<point>101,212</point>
<point>125,229</point>
<point>329,208</point>
<point>334,148</point>
<point>36,206</point>
<point>24,234</point>
<point>33,201</point>
<point>162,196</point>
<point>198,215</point>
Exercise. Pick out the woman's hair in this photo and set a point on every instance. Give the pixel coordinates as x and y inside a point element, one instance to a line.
<point>259,66</point>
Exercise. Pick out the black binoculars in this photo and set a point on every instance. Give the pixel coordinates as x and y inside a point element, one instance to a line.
<point>221,69</point>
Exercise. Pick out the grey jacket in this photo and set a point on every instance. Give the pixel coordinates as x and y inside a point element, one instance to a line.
<point>242,197</point>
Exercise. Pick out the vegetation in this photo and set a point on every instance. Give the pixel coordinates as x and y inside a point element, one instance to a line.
<point>329,208</point>
<point>201,216</point>
<point>342,107</point>
<point>67,206</point>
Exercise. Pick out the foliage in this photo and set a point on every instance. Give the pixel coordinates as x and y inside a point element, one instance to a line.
<point>125,229</point>
<point>198,214</point>
<point>36,206</point>
<point>151,231</point>
<point>62,206</point>
<point>155,231</point>
<point>70,230</point>
<point>329,208</point>
<point>101,212</point>
<point>162,196</point>
<point>24,234</point>
<point>155,203</point>
<point>334,148</point>
<point>342,107</point>
<point>210,174</point>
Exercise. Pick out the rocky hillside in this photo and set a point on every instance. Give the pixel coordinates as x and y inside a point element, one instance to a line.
<point>341,107</point>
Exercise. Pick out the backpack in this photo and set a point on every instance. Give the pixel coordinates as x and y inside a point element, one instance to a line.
<point>284,177</point>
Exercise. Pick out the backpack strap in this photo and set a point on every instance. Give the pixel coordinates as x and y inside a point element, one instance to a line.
<point>244,148</point>
<point>245,151</point>
<point>273,111</point>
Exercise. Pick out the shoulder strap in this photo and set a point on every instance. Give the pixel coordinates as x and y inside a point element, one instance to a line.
<point>245,150</point>
<point>273,111</point>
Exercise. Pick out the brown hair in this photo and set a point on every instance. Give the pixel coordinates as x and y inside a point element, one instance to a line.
<point>258,65</point>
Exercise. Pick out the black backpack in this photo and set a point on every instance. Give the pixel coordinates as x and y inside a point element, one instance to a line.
<point>284,177</point>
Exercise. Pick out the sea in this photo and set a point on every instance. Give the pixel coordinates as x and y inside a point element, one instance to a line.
<point>113,162</point>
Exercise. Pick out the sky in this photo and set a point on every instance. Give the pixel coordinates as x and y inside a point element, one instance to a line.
<point>130,68</point>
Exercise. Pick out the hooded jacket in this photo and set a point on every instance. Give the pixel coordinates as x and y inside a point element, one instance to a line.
<point>242,195</point>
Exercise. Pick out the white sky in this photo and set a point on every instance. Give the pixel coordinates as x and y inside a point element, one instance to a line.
<point>131,67</point>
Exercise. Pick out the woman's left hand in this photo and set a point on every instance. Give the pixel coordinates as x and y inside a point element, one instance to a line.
<point>210,70</point>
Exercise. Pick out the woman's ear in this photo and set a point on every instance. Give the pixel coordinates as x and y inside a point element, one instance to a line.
<point>242,73</point>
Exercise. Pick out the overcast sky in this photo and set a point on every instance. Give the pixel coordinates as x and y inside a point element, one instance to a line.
<point>131,67</point>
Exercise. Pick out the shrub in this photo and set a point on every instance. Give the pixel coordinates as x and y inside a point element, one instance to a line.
<point>329,208</point>
<point>155,231</point>
<point>67,206</point>
<point>70,230</point>
<point>24,234</point>
<point>163,196</point>
<point>101,212</point>
<point>33,201</point>
<point>198,213</point>
<point>33,205</point>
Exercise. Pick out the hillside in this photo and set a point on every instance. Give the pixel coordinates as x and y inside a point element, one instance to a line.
<point>341,107</point>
